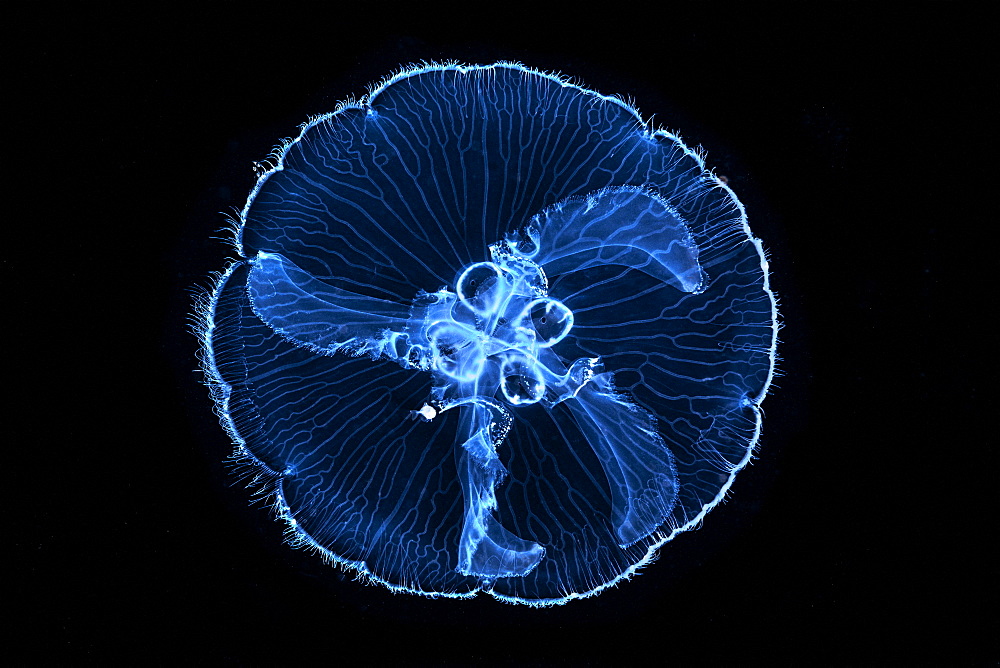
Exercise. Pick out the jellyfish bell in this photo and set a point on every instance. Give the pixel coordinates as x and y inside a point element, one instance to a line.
<point>403,320</point>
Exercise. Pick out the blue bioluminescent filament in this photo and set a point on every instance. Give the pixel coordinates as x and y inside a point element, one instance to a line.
<point>487,332</point>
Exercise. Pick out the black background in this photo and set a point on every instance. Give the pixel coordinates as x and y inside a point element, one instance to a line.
<point>857,535</point>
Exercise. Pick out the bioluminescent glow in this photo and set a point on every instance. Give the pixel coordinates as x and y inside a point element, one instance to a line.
<point>489,332</point>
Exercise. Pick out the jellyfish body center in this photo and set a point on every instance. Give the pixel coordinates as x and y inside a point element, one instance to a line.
<point>489,336</point>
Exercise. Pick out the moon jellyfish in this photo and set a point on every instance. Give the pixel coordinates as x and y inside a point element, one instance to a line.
<point>487,331</point>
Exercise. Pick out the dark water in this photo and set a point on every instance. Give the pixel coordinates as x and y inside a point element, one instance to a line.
<point>855,536</point>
